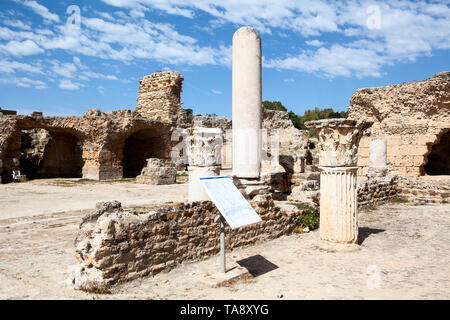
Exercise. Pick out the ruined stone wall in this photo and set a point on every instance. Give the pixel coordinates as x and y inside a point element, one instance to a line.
<point>9,148</point>
<point>100,135</point>
<point>114,245</point>
<point>108,140</point>
<point>411,117</point>
<point>159,97</point>
<point>424,190</point>
<point>377,190</point>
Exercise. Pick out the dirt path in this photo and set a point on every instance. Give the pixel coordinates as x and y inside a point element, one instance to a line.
<point>404,255</point>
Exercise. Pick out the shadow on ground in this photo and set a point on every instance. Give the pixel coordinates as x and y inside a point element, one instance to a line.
<point>365,232</point>
<point>257,265</point>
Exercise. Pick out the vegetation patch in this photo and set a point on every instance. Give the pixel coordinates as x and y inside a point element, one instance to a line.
<point>399,199</point>
<point>308,218</point>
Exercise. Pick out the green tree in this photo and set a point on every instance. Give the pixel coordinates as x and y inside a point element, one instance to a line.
<point>314,114</point>
<point>274,105</point>
<point>189,115</point>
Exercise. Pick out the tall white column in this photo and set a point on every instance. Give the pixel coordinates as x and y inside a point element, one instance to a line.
<point>247,103</point>
<point>338,154</point>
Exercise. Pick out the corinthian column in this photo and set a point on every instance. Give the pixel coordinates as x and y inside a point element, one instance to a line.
<point>338,154</point>
<point>204,155</point>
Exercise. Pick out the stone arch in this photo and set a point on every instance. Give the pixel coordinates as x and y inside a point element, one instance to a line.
<point>141,144</point>
<point>51,153</point>
<point>437,161</point>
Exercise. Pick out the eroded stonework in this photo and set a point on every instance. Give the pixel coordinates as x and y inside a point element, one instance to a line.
<point>99,145</point>
<point>114,245</point>
<point>159,97</point>
<point>412,117</point>
<point>158,171</point>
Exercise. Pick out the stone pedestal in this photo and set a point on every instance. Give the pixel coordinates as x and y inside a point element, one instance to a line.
<point>378,158</point>
<point>247,104</point>
<point>378,154</point>
<point>338,154</point>
<point>196,190</point>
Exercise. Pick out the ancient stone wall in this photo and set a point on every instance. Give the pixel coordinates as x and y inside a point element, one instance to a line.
<point>412,117</point>
<point>377,190</point>
<point>159,97</point>
<point>157,171</point>
<point>100,136</point>
<point>114,245</point>
<point>423,190</point>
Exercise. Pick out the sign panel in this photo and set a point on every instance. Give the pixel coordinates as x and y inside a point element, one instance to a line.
<point>231,203</point>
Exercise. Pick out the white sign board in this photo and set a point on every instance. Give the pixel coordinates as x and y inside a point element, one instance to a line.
<point>231,203</point>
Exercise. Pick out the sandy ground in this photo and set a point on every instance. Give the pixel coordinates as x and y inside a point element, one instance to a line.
<point>404,254</point>
<point>61,195</point>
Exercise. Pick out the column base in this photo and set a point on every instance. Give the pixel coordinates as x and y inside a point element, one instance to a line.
<point>340,247</point>
<point>251,187</point>
<point>196,190</point>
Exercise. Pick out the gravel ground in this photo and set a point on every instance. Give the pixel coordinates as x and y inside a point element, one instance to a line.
<point>404,255</point>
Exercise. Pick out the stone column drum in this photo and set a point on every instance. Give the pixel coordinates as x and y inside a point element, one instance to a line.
<point>204,159</point>
<point>338,154</point>
<point>247,103</point>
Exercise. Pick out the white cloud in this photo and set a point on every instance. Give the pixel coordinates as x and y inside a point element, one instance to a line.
<point>24,83</point>
<point>40,10</point>
<point>96,75</point>
<point>67,70</point>
<point>17,24</point>
<point>315,43</point>
<point>66,84</point>
<point>332,62</point>
<point>407,30</point>
<point>216,91</point>
<point>24,48</point>
<point>8,66</point>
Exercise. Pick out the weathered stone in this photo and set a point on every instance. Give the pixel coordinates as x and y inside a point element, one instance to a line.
<point>157,172</point>
<point>412,117</point>
<point>159,97</point>
<point>172,239</point>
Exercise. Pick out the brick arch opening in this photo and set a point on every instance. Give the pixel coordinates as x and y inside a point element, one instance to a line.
<point>438,160</point>
<point>138,147</point>
<point>50,154</point>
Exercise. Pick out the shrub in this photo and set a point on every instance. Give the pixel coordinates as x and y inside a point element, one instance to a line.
<point>309,217</point>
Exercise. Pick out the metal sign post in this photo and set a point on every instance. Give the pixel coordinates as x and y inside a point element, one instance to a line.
<point>234,208</point>
<point>223,266</point>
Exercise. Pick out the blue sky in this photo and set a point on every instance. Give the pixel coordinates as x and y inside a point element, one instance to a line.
<point>63,57</point>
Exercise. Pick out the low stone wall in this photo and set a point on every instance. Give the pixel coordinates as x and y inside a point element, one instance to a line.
<point>422,190</point>
<point>114,245</point>
<point>377,190</point>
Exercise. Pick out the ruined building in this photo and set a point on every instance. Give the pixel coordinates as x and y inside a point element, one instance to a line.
<point>116,144</point>
<point>414,119</point>
<point>99,145</point>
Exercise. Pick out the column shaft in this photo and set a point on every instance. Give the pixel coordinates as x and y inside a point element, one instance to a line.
<point>247,103</point>
<point>338,205</point>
